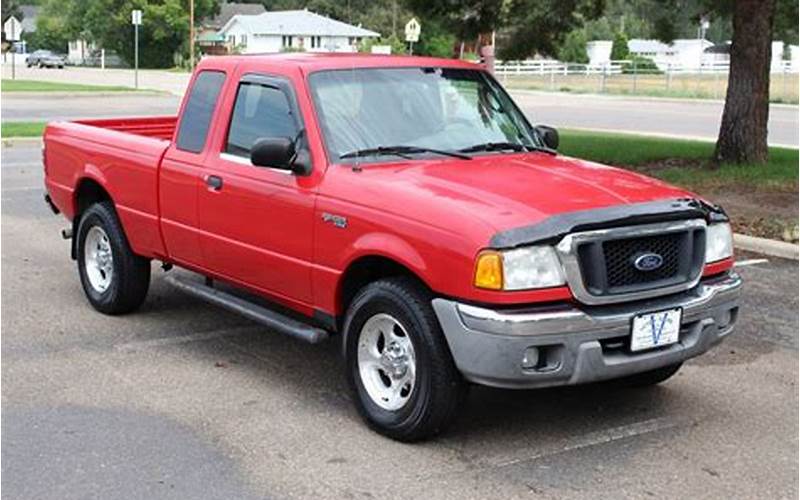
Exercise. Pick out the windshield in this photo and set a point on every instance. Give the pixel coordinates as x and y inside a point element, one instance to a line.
<point>443,109</point>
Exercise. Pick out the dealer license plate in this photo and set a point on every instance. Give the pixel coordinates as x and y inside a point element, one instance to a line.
<point>655,329</point>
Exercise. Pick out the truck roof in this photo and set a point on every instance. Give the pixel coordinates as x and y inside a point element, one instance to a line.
<point>313,61</point>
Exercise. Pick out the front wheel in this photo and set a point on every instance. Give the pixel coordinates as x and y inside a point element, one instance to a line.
<point>114,279</point>
<point>399,367</point>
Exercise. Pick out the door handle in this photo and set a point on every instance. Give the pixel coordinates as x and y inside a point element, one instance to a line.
<point>214,182</point>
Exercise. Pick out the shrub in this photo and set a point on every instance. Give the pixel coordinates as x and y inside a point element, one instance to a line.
<point>641,65</point>
<point>619,48</point>
<point>574,48</point>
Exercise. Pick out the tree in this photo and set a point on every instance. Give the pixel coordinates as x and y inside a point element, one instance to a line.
<point>743,131</point>
<point>435,41</point>
<point>164,31</point>
<point>573,49</point>
<point>619,49</point>
<point>541,26</point>
<point>466,19</point>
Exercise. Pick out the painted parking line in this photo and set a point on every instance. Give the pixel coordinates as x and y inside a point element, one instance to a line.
<point>750,262</point>
<point>602,437</point>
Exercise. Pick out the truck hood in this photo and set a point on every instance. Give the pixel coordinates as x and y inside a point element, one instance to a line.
<point>505,191</point>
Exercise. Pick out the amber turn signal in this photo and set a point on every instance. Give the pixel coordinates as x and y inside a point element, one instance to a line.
<point>489,270</point>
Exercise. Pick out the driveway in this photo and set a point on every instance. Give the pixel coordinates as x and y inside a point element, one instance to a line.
<point>183,400</point>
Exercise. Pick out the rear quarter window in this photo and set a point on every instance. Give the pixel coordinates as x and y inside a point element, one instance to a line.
<point>199,109</point>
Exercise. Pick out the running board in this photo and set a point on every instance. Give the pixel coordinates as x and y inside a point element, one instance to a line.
<point>260,314</point>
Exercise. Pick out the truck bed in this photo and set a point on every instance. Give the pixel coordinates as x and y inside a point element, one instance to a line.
<point>159,127</point>
<point>122,154</point>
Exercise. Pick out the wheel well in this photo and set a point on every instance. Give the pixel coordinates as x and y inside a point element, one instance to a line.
<point>365,270</point>
<point>87,194</point>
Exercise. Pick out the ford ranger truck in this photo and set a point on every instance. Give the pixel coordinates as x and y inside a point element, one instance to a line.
<point>406,206</point>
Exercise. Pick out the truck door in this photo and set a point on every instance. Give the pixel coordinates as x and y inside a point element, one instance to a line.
<point>257,222</point>
<point>180,176</point>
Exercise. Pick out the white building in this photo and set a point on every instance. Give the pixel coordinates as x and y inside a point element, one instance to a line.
<point>599,52</point>
<point>291,30</point>
<point>681,53</point>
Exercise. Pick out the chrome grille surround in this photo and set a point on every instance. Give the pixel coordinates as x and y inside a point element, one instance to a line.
<point>568,252</point>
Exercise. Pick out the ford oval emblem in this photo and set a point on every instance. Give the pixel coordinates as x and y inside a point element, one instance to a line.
<point>648,262</point>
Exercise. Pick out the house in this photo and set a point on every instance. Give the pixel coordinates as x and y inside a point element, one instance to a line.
<point>79,51</point>
<point>288,30</point>
<point>784,58</point>
<point>681,53</point>
<point>599,52</point>
<point>209,41</point>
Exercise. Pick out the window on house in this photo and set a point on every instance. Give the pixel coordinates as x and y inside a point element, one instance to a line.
<point>260,111</point>
<point>286,40</point>
<point>316,42</point>
<point>232,39</point>
<point>243,42</point>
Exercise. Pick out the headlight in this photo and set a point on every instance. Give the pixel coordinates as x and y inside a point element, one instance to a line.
<point>519,269</point>
<point>719,242</point>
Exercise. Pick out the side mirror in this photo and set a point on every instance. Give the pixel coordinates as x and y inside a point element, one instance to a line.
<point>280,152</point>
<point>273,152</point>
<point>549,135</point>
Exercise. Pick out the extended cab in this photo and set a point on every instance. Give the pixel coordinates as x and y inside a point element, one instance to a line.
<point>407,205</point>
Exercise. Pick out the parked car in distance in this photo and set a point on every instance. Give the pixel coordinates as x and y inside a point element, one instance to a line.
<point>406,206</point>
<point>45,59</point>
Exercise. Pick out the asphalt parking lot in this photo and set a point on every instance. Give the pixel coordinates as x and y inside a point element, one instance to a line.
<point>182,400</point>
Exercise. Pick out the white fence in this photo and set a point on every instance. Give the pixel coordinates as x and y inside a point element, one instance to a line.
<point>535,67</point>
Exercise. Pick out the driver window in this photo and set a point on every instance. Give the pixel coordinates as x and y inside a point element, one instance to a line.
<point>260,111</point>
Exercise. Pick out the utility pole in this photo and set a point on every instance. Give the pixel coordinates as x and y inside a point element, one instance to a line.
<point>136,20</point>
<point>191,33</point>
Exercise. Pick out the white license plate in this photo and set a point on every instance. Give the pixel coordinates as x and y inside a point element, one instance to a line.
<point>655,329</point>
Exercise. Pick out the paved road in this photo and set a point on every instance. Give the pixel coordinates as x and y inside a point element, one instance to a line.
<point>690,119</point>
<point>183,400</point>
<point>678,118</point>
<point>48,107</point>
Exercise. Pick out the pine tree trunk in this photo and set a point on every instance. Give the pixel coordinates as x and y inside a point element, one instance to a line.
<point>743,132</point>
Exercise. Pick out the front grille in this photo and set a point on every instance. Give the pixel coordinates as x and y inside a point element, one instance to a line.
<point>607,263</point>
<point>620,254</point>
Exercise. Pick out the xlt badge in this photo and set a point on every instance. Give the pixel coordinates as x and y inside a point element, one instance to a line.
<point>337,220</point>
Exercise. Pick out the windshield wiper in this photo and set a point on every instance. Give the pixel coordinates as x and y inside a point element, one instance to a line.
<point>494,146</point>
<point>401,151</point>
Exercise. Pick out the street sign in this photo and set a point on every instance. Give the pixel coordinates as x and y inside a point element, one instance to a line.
<point>412,30</point>
<point>12,29</point>
<point>136,21</point>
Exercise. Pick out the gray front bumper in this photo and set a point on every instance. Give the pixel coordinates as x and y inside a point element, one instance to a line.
<point>576,344</point>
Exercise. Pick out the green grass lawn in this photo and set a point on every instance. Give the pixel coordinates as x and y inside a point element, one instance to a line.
<point>36,86</point>
<point>22,129</point>
<point>681,162</point>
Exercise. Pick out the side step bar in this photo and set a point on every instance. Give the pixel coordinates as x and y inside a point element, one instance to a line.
<point>260,314</point>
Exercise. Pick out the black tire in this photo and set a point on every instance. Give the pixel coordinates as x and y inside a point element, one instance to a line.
<point>439,387</point>
<point>130,277</point>
<point>652,377</point>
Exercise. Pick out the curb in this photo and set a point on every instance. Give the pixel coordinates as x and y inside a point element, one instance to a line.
<point>11,141</point>
<point>659,135</point>
<point>773,248</point>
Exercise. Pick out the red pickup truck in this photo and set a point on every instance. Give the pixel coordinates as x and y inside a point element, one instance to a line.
<point>406,205</point>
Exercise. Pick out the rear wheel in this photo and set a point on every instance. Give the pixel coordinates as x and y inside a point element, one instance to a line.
<point>399,367</point>
<point>114,279</point>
